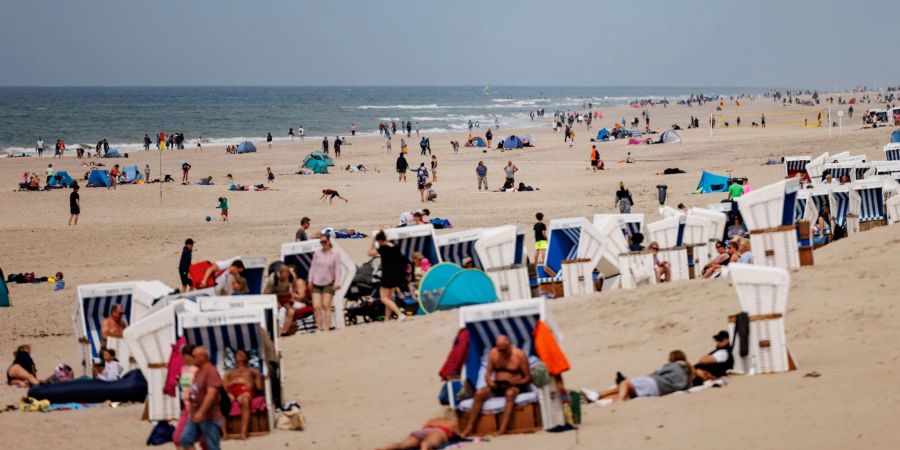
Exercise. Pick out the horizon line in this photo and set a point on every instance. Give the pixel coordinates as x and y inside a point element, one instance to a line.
<point>392,86</point>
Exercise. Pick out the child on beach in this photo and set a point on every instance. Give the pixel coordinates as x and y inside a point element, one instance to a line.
<point>430,194</point>
<point>223,205</point>
<point>269,175</point>
<point>331,194</point>
<point>112,370</point>
<point>146,173</point>
<point>60,283</point>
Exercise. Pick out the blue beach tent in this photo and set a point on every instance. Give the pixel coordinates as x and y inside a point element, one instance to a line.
<point>4,291</point>
<point>512,142</point>
<point>710,182</point>
<point>468,287</point>
<point>602,135</point>
<point>98,178</point>
<point>895,136</point>
<point>246,147</point>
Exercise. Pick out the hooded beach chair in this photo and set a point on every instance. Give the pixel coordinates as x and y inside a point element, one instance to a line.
<point>763,296</point>
<point>151,341</point>
<point>518,320</point>
<point>892,206</point>
<point>632,268</point>
<point>94,303</point>
<point>768,213</point>
<point>816,167</point>
<point>573,251</point>
<point>300,254</point>
<point>892,152</point>
<point>415,238</point>
<point>871,207</point>
<point>224,332</point>
<point>845,206</point>
<point>718,220</point>
<point>631,223</point>
<point>795,166</point>
<point>455,247</point>
<point>668,233</point>
<point>501,253</point>
<point>840,169</point>
<point>697,230</point>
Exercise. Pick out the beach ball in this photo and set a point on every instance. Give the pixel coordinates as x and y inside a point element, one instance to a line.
<point>208,218</point>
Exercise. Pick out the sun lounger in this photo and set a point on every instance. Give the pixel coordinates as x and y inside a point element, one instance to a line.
<point>763,295</point>
<point>768,213</point>
<point>669,234</point>
<point>871,196</point>
<point>300,254</point>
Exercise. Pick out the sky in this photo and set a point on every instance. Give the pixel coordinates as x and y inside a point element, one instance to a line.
<point>763,43</point>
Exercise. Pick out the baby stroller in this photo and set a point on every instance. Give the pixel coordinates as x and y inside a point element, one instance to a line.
<point>361,300</point>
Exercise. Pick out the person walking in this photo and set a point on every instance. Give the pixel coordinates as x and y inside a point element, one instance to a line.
<point>422,146</point>
<point>623,199</point>
<point>325,144</point>
<point>324,276</point>
<point>301,234</point>
<point>74,205</point>
<point>481,173</point>
<point>422,180</point>
<point>184,265</point>
<point>394,269</point>
<point>207,418</point>
<point>402,166</point>
<point>540,238</point>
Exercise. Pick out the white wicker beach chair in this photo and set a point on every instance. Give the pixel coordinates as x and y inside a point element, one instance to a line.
<point>501,251</point>
<point>768,213</point>
<point>871,208</point>
<point>763,295</point>
<point>668,233</point>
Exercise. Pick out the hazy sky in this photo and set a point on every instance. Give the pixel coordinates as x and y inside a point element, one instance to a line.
<point>795,43</point>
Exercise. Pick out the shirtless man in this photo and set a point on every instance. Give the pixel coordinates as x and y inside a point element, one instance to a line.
<point>241,382</point>
<point>507,375</point>
<point>113,325</point>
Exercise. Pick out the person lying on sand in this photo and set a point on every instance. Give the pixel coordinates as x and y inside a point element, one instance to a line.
<point>241,383</point>
<point>435,433</point>
<point>675,375</point>
<point>22,372</point>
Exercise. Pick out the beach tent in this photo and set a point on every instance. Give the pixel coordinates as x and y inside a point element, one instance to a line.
<point>299,255</point>
<point>416,238</point>
<point>132,174</point>
<point>64,179</point>
<point>431,288</point>
<point>112,153</point>
<point>478,142</point>
<point>246,147</point>
<point>512,142</point>
<point>318,162</point>
<point>467,287</point>
<point>4,291</point>
<point>602,135</point>
<point>710,182</point>
<point>669,137</point>
<point>456,247</point>
<point>895,136</point>
<point>98,178</point>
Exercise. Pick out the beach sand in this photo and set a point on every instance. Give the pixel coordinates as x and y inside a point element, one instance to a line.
<point>366,385</point>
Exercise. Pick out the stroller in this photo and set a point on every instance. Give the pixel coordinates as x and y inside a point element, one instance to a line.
<point>361,300</point>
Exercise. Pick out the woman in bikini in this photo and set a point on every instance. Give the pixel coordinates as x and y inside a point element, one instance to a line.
<point>435,433</point>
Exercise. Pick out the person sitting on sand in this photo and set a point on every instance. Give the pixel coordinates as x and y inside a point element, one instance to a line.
<point>436,432</point>
<point>241,383</point>
<point>22,372</point>
<point>663,271</point>
<point>330,194</point>
<point>718,362</point>
<point>113,325</point>
<point>430,193</point>
<point>675,375</point>
<point>112,370</point>
<point>507,375</point>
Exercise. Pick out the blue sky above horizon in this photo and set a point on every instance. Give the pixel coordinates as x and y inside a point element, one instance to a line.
<point>803,43</point>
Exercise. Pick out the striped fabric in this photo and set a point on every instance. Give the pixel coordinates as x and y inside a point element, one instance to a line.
<point>799,209</point>
<point>302,261</point>
<point>892,154</point>
<point>837,172</point>
<point>217,338</point>
<point>95,309</point>
<point>422,244</point>
<point>483,335</point>
<point>679,241</point>
<point>520,249</point>
<point>861,172</point>
<point>872,205</point>
<point>788,217</point>
<point>563,246</point>
<point>796,166</point>
<point>843,205</point>
<point>458,251</point>
<point>630,228</point>
<point>819,200</point>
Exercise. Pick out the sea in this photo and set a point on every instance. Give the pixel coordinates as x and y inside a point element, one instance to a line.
<point>229,115</point>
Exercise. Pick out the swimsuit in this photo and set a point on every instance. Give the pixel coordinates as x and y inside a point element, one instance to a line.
<point>238,389</point>
<point>421,433</point>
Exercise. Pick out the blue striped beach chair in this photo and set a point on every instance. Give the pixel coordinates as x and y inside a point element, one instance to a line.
<point>796,166</point>
<point>300,254</point>
<point>457,246</point>
<point>871,203</point>
<point>892,152</point>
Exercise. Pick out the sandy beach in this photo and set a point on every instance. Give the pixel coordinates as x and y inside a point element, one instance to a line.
<point>366,385</point>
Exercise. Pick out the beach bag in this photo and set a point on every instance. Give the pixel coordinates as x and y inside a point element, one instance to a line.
<point>642,271</point>
<point>162,433</point>
<point>291,420</point>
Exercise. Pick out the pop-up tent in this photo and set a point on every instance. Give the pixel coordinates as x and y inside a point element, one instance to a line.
<point>710,182</point>
<point>318,162</point>
<point>246,147</point>
<point>448,286</point>
<point>112,153</point>
<point>132,174</point>
<point>61,178</point>
<point>669,137</point>
<point>895,136</point>
<point>98,178</point>
<point>477,142</point>
<point>4,290</point>
<point>512,142</point>
<point>602,135</point>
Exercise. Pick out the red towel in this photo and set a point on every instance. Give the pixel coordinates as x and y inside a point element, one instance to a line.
<point>453,365</point>
<point>197,271</point>
<point>548,350</point>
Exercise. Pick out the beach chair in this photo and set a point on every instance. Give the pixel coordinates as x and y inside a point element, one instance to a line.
<point>669,234</point>
<point>863,170</point>
<point>805,216</point>
<point>885,169</point>
<point>716,228</point>
<point>300,254</point>
<point>630,223</point>
<point>763,295</point>
<point>722,207</point>
<point>816,167</point>
<point>254,271</point>
<point>94,303</point>
<point>892,152</point>
<point>840,169</point>
<point>501,251</point>
<point>845,207</point>
<point>795,166</point>
<point>768,213</point>
<point>151,341</point>
<point>871,207</point>
<point>697,230</point>
<point>541,408</point>
<point>633,268</point>
<point>455,247</point>
<point>892,206</point>
<point>223,332</point>
<point>416,238</point>
<point>574,247</point>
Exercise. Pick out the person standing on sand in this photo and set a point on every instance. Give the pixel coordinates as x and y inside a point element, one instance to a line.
<point>353,129</point>
<point>147,142</point>
<point>387,145</point>
<point>540,238</point>
<point>270,177</point>
<point>301,235</point>
<point>184,265</point>
<point>325,144</point>
<point>269,139</point>
<point>146,173</point>
<point>510,171</point>
<point>408,128</point>
<point>74,205</point>
<point>434,168</point>
<point>481,172</point>
<point>422,180</point>
<point>40,147</point>
<point>223,206</point>
<point>114,177</point>
<point>185,172</point>
<point>199,143</point>
<point>394,269</point>
<point>488,136</point>
<point>404,149</point>
<point>301,133</point>
<point>402,165</point>
<point>337,146</point>
<point>623,199</point>
<point>291,133</point>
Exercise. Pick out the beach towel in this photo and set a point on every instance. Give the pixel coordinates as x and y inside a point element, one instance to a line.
<point>175,364</point>
<point>197,271</point>
<point>453,365</point>
<point>548,350</point>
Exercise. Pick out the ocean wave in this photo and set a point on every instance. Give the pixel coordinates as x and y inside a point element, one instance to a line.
<point>428,106</point>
